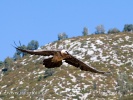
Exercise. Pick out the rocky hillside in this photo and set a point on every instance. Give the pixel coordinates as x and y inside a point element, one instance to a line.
<point>28,79</point>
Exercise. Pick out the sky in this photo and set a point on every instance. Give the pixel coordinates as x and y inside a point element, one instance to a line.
<point>43,20</point>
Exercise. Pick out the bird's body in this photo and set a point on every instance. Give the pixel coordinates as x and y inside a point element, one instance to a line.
<point>58,56</point>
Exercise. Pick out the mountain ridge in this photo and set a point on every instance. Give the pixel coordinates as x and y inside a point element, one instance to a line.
<point>29,79</point>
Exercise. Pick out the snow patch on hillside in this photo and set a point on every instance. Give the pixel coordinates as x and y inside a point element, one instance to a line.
<point>73,78</point>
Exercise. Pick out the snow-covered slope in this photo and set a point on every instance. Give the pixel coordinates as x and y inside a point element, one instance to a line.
<point>29,79</point>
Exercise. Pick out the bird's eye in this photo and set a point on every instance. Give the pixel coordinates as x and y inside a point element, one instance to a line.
<point>66,52</point>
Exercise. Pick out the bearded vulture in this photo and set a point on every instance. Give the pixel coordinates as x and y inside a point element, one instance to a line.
<point>58,56</point>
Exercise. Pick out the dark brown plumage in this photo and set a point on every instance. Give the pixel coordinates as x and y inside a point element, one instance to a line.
<point>58,56</point>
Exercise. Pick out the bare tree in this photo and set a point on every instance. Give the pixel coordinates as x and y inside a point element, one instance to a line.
<point>100,29</point>
<point>62,36</point>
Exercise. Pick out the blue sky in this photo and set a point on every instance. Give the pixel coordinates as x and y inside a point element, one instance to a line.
<point>43,20</point>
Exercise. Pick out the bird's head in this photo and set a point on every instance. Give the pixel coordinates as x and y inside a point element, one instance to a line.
<point>64,52</point>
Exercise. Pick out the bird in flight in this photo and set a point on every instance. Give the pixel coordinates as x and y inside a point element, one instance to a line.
<point>58,56</point>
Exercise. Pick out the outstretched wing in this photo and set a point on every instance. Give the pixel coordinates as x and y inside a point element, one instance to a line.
<point>77,63</point>
<point>38,52</point>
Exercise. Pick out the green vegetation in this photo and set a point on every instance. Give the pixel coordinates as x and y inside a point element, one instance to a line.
<point>113,30</point>
<point>1,63</point>
<point>85,31</point>
<point>33,45</point>
<point>128,28</point>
